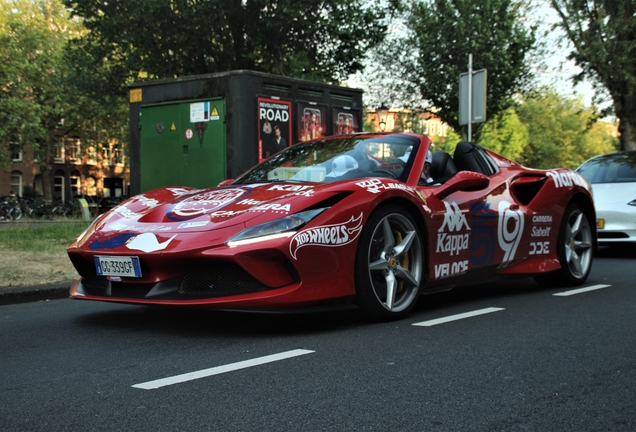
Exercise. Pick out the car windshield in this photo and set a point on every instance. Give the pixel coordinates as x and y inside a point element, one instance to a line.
<point>613,168</point>
<point>336,159</point>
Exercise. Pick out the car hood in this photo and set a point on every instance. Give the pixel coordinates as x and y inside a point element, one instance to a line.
<point>192,210</point>
<point>611,195</point>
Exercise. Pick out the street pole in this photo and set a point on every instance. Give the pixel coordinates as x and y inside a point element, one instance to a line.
<point>470,95</point>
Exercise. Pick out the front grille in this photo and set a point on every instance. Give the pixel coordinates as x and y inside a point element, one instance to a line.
<point>611,235</point>
<point>219,280</point>
<point>95,285</point>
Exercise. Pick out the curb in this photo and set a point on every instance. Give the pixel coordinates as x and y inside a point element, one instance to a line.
<point>34,293</point>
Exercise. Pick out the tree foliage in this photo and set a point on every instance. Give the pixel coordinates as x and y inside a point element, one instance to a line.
<point>562,132</point>
<point>505,134</point>
<point>134,40</point>
<point>39,103</point>
<point>603,34</point>
<point>441,35</point>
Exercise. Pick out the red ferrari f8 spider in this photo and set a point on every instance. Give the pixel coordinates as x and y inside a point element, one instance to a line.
<point>341,220</point>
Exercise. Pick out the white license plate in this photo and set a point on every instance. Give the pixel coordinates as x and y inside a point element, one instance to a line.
<point>117,266</point>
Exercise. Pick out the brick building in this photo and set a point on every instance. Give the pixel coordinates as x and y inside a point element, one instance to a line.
<point>96,172</point>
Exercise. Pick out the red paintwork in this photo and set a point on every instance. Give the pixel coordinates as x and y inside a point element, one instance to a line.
<point>465,233</point>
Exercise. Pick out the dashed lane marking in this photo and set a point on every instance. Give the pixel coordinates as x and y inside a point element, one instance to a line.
<point>458,317</point>
<point>580,290</point>
<point>150,385</point>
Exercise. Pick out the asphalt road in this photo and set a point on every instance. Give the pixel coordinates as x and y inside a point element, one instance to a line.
<point>527,360</point>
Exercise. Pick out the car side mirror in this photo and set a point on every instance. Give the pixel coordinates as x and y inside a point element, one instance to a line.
<point>225,183</point>
<point>464,181</point>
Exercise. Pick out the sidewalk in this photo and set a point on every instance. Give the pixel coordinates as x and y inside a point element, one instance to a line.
<point>34,293</point>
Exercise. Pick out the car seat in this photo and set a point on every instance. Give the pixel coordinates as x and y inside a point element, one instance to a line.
<point>467,158</point>
<point>442,167</point>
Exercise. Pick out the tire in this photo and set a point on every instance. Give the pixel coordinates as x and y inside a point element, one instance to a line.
<point>389,264</point>
<point>574,249</point>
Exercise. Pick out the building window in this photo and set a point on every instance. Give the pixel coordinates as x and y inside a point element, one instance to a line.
<point>58,186</point>
<point>16,152</point>
<point>91,156</point>
<point>59,152</point>
<point>75,150</point>
<point>118,154</point>
<point>16,183</point>
<point>76,184</point>
<point>107,154</point>
<point>91,186</point>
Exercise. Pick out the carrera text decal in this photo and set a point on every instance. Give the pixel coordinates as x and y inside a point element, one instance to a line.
<point>327,235</point>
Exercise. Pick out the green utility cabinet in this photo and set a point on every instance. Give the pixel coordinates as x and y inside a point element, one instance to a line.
<point>183,144</point>
<point>198,131</point>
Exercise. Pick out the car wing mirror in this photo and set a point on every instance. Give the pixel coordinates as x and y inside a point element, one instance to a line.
<point>465,181</point>
<point>225,183</point>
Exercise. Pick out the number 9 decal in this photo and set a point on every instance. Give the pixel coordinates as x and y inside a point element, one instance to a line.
<point>509,231</point>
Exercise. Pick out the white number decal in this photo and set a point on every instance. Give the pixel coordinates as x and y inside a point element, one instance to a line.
<point>509,230</point>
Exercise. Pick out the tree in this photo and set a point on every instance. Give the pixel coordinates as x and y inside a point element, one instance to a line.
<point>39,104</point>
<point>603,34</point>
<point>322,40</point>
<point>562,132</point>
<point>440,36</point>
<point>505,134</point>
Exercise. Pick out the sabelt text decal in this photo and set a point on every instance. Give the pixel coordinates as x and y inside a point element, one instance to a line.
<point>327,235</point>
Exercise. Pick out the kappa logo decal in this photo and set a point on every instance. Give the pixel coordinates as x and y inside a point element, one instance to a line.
<point>327,235</point>
<point>454,219</point>
<point>203,203</point>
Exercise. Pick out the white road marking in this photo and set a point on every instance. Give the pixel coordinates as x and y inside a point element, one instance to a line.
<point>457,317</point>
<point>150,385</point>
<point>581,290</point>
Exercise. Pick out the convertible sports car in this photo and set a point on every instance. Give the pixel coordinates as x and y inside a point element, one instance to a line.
<point>341,220</point>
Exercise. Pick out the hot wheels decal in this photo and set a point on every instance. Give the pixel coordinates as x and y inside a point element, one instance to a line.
<point>203,203</point>
<point>567,178</point>
<point>509,231</point>
<point>327,235</point>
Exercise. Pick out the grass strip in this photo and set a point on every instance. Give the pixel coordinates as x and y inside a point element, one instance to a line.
<point>46,238</point>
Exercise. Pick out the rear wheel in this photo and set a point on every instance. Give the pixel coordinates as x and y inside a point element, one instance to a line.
<point>574,249</point>
<point>389,264</point>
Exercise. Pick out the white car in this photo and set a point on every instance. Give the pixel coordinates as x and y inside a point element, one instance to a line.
<point>613,178</point>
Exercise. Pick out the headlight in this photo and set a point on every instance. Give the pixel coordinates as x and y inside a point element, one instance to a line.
<point>283,227</point>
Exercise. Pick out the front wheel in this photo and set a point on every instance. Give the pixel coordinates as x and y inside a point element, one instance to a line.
<point>574,248</point>
<point>389,264</point>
